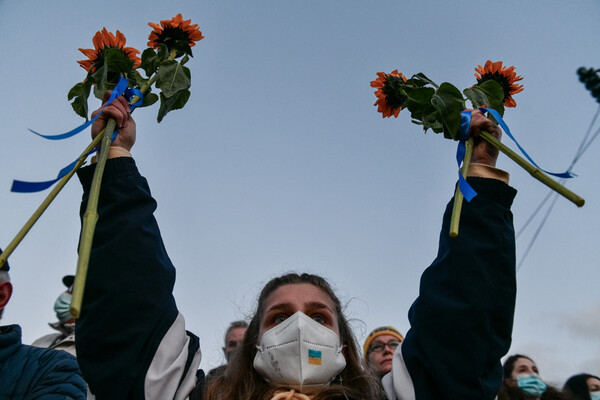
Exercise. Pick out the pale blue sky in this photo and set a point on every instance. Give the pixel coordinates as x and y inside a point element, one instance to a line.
<point>280,161</point>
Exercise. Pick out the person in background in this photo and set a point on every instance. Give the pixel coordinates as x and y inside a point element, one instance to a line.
<point>522,381</point>
<point>379,348</point>
<point>233,337</point>
<point>64,338</point>
<point>28,372</point>
<point>582,387</point>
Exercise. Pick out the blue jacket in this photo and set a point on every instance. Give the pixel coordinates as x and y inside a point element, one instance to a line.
<point>28,373</point>
<point>461,322</point>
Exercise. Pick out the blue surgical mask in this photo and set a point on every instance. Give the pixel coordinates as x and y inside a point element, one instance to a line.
<point>531,385</point>
<point>595,395</point>
<point>61,307</point>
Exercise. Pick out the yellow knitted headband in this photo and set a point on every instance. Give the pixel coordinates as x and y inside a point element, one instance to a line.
<point>383,330</point>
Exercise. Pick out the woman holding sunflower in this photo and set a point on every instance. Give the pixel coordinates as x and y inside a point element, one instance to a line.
<point>461,322</point>
<point>299,344</point>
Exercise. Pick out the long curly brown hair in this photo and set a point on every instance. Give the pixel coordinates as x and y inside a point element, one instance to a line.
<point>240,381</point>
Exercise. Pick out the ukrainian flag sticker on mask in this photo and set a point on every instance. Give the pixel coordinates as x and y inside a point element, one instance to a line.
<point>314,357</point>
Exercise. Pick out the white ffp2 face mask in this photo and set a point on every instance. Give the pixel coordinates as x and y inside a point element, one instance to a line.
<point>299,354</point>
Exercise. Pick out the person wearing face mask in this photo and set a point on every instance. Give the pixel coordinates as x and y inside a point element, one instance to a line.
<point>298,344</point>
<point>522,381</point>
<point>582,387</point>
<point>64,338</point>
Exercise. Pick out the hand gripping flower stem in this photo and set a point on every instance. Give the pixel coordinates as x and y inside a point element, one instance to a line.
<point>91,214</point>
<point>458,196</point>
<point>51,196</point>
<point>533,171</point>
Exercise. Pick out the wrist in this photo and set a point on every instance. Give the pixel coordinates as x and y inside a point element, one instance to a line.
<point>114,152</point>
<point>487,171</point>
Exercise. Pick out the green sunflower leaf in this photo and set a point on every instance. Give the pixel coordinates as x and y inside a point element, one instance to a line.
<point>432,121</point>
<point>420,95</point>
<point>175,102</point>
<point>150,61</point>
<point>149,99</point>
<point>163,52</point>
<point>173,78</point>
<point>418,102</point>
<point>182,47</point>
<point>137,80</point>
<point>489,93</point>
<point>100,78</point>
<point>116,61</point>
<point>420,80</point>
<point>449,103</point>
<point>80,93</point>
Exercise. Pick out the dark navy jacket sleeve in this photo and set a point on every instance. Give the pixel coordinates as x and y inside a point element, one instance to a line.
<point>34,373</point>
<point>461,323</point>
<point>128,309</point>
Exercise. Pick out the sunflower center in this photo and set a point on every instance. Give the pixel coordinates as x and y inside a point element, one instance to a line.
<point>501,79</point>
<point>393,93</point>
<point>171,34</point>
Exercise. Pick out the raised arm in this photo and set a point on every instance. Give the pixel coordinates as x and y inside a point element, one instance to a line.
<point>131,339</point>
<point>461,323</point>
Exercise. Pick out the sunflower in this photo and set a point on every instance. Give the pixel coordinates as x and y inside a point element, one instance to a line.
<point>102,40</point>
<point>390,99</point>
<point>174,31</point>
<point>505,76</point>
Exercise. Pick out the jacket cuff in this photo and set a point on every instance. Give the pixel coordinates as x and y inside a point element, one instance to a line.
<point>115,168</point>
<point>492,190</point>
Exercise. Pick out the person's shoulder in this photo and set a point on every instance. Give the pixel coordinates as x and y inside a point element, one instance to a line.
<point>216,371</point>
<point>47,340</point>
<point>40,359</point>
<point>50,356</point>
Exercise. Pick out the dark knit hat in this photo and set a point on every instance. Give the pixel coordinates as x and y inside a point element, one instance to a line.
<point>68,280</point>
<point>5,266</point>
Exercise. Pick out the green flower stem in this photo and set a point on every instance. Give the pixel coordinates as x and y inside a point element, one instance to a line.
<point>51,196</point>
<point>533,171</point>
<point>458,196</point>
<point>91,214</point>
<point>89,222</point>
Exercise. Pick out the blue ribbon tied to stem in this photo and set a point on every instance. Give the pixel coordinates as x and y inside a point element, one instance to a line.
<point>119,90</point>
<point>465,121</point>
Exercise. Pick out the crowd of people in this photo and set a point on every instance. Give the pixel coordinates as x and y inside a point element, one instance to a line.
<point>298,344</point>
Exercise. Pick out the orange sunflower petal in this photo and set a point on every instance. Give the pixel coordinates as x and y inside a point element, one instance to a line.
<point>86,64</point>
<point>103,39</point>
<point>504,75</point>
<point>89,53</point>
<point>187,31</point>
<point>497,66</point>
<point>120,39</point>
<point>97,40</point>
<point>382,101</point>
